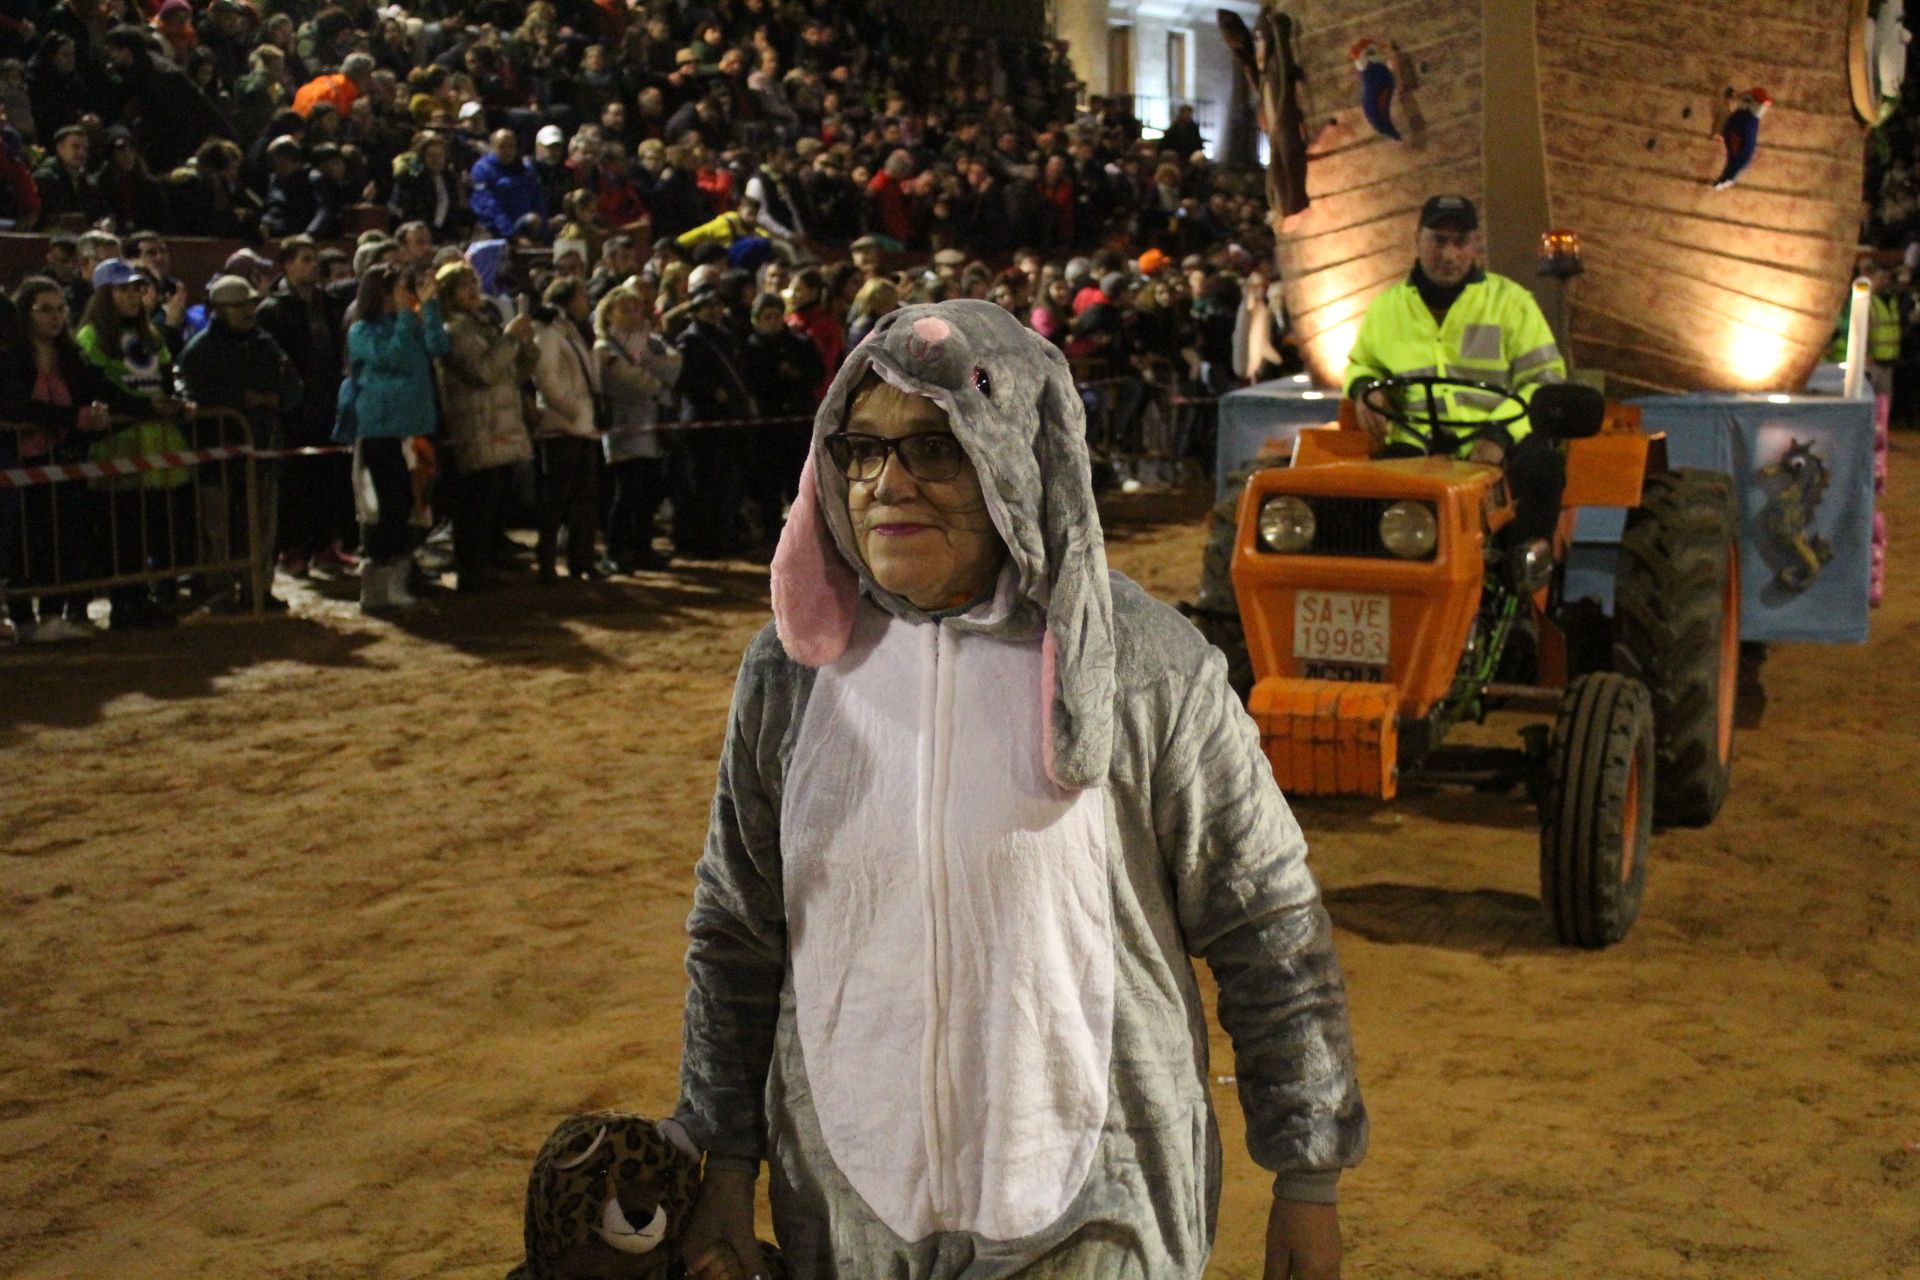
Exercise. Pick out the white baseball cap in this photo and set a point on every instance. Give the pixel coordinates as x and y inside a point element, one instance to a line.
<point>230,291</point>
<point>468,110</point>
<point>550,136</point>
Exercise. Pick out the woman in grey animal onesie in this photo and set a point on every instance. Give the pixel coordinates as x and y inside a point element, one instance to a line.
<point>979,801</point>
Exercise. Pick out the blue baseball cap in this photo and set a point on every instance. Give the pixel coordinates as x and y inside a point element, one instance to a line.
<point>114,271</point>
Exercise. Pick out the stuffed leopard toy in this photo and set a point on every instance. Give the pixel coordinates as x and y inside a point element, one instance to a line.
<point>609,1197</point>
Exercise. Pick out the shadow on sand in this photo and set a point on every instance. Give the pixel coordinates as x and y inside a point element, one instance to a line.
<point>1487,922</point>
<point>522,623</point>
<point>68,687</point>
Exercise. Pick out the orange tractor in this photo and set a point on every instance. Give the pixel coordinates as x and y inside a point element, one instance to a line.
<point>1368,607</point>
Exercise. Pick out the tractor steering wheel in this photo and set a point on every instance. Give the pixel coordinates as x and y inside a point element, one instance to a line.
<point>1391,399</point>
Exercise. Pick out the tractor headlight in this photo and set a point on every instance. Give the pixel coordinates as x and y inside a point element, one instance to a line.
<point>1409,530</point>
<point>1286,524</point>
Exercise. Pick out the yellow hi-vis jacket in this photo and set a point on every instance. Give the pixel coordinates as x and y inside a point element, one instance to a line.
<point>1493,332</point>
<point>723,230</point>
<point>1883,329</point>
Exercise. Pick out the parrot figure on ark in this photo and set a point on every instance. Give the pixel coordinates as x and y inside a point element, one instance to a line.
<point>1377,84</point>
<point>1740,135</point>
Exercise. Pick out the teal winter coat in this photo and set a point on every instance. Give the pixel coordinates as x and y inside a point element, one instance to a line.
<point>391,360</point>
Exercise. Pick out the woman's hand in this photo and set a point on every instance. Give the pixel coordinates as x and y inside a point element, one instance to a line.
<point>520,329</point>
<point>720,1243</point>
<point>426,289</point>
<point>1303,1241</point>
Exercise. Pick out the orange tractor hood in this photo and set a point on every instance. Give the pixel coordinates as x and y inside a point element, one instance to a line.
<point>1329,725</point>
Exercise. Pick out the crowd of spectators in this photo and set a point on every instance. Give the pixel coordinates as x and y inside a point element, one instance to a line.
<point>235,121</point>
<point>609,221</point>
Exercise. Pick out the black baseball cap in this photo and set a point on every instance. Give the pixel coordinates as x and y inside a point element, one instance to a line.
<point>1456,212</point>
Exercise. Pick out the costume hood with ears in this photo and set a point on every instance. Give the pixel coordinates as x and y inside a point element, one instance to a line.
<point>1010,399</point>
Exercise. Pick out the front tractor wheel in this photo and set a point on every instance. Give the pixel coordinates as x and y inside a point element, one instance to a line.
<point>1598,813</point>
<point>1677,630</point>
<point>1217,612</point>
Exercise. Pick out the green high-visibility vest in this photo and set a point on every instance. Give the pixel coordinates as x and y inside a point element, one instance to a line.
<point>1883,330</point>
<point>1493,332</point>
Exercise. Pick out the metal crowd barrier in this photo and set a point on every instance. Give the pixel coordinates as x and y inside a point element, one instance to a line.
<point>1143,428</point>
<point>96,518</point>
<point>131,505</point>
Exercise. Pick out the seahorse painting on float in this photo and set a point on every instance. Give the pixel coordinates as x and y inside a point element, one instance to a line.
<point>1796,484</point>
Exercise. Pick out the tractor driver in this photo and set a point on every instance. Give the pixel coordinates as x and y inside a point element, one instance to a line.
<point>1452,317</point>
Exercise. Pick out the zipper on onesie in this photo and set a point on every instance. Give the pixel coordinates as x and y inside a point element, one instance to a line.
<point>952,953</point>
<point>935,787</point>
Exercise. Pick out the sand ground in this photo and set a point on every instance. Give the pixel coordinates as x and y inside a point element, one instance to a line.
<point>310,929</point>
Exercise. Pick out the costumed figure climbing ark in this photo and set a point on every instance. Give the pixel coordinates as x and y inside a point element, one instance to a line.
<point>1266,57</point>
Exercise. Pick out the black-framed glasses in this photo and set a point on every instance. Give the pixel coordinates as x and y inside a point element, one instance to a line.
<point>929,455</point>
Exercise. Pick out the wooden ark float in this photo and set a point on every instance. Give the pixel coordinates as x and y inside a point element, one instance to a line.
<point>1604,119</point>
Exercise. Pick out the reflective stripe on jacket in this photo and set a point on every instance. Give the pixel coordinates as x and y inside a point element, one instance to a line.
<point>1493,332</point>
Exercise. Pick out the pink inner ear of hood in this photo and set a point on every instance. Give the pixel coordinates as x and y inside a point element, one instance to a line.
<point>814,590</point>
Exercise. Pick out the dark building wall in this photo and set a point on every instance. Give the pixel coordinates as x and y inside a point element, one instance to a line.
<point>1011,17</point>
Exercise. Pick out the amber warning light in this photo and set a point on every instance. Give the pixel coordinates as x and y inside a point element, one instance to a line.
<point>1560,254</point>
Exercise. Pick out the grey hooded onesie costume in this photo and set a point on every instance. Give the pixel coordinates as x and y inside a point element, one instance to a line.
<point>956,866</point>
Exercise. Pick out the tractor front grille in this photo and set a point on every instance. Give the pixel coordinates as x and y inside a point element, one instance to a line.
<point>1349,527</point>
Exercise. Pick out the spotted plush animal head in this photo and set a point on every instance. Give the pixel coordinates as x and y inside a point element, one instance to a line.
<point>609,1197</point>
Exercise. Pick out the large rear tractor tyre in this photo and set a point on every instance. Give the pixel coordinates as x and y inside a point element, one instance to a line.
<point>1598,813</point>
<point>1676,629</point>
<point>1217,612</point>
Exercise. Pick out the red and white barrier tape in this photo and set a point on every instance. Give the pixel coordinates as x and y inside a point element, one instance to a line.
<point>790,420</point>
<point>57,473</point>
<point>20,477</point>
